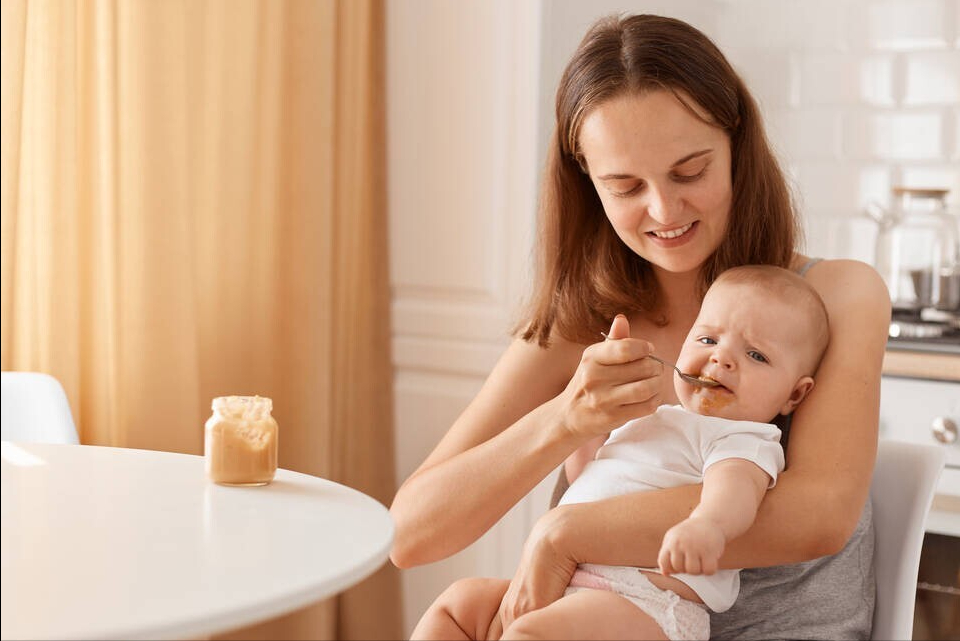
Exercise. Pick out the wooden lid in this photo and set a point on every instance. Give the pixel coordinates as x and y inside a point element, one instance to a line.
<point>922,192</point>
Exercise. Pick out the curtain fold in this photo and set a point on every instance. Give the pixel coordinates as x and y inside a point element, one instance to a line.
<point>193,205</point>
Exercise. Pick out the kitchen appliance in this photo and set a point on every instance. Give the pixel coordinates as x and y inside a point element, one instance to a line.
<point>918,256</point>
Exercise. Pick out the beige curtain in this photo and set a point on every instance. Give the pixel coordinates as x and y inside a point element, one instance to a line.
<point>193,205</point>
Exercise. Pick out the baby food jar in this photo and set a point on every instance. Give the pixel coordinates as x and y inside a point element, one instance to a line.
<point>240,441</point>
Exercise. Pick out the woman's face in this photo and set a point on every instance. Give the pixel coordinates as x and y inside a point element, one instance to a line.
<point>663,176</point>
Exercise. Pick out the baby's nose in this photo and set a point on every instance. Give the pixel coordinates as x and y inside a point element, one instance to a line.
<point>721,358</point>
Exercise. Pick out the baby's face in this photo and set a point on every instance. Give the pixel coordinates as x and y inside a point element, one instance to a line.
<point>754,346</point>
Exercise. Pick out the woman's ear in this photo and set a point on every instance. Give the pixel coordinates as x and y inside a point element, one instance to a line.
<point>800,391</point>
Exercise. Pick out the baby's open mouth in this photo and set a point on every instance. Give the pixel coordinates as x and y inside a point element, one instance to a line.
<point>712,384</point>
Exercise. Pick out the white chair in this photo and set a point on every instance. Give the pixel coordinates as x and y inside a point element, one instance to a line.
<point>904,481</point>
<point>34,409</point>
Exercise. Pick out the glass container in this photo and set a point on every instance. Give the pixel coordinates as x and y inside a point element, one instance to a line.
<point>918,250</point>
<point>240,441</point>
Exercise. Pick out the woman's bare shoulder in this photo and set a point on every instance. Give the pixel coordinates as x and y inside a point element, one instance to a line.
<point>851,286</point>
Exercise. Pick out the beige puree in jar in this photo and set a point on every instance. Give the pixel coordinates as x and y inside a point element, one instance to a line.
<point>240,441</point>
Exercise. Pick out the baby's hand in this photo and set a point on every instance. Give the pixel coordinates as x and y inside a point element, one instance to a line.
<point>692,546</point>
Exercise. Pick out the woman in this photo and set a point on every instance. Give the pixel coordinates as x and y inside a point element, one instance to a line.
<point>659,178</point>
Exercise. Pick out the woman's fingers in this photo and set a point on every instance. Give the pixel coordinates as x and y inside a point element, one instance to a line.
<point>619,328</point>
<point>635,393</point>
<point>617,352</point>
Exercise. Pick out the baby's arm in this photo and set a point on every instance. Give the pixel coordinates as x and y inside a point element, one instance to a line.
<point>732,491</point>
<point>575,463</point>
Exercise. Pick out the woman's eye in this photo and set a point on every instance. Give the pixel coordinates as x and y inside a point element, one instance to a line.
<point>706,340</point>
<point>757,356</point>
<point>686,178</point>
<point>628,192</point>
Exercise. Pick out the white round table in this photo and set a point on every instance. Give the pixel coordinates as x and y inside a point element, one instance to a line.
<point>102,542</point>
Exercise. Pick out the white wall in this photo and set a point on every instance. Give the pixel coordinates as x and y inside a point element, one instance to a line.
<point>859,95</point>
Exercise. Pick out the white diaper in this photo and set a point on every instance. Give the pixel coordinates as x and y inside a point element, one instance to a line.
<point>678,618</point>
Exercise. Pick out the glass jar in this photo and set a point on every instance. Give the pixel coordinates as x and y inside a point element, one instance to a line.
<point>240,441</point>
<point>918,250</point>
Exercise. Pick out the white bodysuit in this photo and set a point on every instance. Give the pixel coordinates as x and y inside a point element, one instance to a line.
<point>668,448</point>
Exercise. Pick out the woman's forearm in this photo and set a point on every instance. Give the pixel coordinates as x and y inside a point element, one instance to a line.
<point>795,522</point>
<point>443,508</point>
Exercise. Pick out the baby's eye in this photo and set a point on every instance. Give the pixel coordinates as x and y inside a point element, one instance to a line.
<point>706,340</point>
<point>757,356</point>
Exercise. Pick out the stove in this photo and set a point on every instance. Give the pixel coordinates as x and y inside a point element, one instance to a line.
<point>925,330</point>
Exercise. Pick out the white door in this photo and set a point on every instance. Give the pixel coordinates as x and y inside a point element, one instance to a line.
<point>463,175</point>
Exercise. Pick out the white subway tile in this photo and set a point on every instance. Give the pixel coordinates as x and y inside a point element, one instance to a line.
<point>828,79</point>
<point>851,236</point>
<point>934,176</point>
<point>894,136</point>
<point>878,80</point>
<point>904,25</point>
<point>828,187</point>
<point>811,24</point>
<point>771,76</point>
<point>874,185</point>
<point>956,24</point>
<point>932,78</point>
<point>956,135</point>
<point>845,79</point>
<point>808,134</point>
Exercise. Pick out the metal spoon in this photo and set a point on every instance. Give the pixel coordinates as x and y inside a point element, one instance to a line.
<point>689,378</point>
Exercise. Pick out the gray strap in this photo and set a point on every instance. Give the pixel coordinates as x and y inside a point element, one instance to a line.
<point>806,266</point>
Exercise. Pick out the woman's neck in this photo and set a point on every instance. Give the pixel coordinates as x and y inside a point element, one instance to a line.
<point>679,296</point>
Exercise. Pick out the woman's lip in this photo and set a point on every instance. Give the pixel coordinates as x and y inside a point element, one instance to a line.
<point>679,240</point>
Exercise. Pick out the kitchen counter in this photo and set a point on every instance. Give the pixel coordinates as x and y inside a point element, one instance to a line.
<point>922,364</point>
<point>918,386</point>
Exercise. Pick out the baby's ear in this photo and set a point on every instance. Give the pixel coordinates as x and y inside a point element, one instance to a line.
<point>800,391</point>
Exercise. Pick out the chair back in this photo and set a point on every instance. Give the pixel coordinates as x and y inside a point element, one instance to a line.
<point>904,481</point>
<point>34,409</point>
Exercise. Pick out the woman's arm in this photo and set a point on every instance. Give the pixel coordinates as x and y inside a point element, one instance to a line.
<point>818,499</point>
<point>536,407</point>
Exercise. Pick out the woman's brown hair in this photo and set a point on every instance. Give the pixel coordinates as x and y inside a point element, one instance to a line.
<point>585,273</point>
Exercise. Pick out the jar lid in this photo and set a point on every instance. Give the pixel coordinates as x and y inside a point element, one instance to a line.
<point>247,408</point>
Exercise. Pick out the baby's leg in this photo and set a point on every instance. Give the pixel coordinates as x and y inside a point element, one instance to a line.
<point>586,614</point>
<point>464,610</point>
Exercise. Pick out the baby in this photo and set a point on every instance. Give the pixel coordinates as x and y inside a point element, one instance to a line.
<point>760,334</point>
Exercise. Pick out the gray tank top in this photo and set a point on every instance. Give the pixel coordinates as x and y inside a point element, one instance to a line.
<point>827,598</point>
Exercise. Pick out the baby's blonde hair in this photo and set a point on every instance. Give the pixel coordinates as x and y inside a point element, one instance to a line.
<point>788,287</point>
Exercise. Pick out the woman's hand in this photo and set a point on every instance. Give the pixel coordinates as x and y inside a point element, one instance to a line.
<point>613,384</point>
<point>542,576</point>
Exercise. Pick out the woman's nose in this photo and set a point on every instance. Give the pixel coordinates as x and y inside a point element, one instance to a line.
<point>663,205</point>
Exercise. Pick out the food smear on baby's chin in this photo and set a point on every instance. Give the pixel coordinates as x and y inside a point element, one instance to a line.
<point>714,399</point>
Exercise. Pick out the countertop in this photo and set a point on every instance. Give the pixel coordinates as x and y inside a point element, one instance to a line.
<point>922,364</point>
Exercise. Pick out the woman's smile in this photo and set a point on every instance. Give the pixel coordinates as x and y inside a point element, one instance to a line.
<point>673,237</point>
